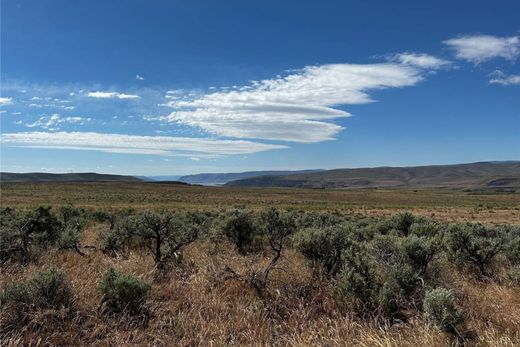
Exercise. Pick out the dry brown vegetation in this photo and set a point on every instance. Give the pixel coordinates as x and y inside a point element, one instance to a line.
<point>446,205</point>
<point>201,302</point>
<point>196,305</point>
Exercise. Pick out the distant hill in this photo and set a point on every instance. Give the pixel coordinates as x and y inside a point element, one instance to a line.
<point>475,176</point>
<point>65,177</point>
<point>215,179</point>
<point>160,178</point>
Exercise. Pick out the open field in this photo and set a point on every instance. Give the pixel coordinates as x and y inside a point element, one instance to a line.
<point>212,295</point>
<point>446,205</point>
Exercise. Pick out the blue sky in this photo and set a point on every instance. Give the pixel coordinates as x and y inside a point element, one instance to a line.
<point>178,87</point>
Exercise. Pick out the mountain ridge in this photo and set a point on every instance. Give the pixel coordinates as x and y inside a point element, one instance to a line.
<point>479,175</point>
<point>7,177</point>
<point>223,178</point>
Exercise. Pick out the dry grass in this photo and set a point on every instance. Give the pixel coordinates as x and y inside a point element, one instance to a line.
<point>199,304</point>
<point>445,205</point>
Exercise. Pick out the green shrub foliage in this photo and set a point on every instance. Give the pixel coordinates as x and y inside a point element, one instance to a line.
<point>50,290</point>
<point>163,234</point>
<point>361,286</point>
<point>122,292</point>
<point>324,245</point>
<point>16,294</point>
<point>512,251</point>
<point>239,226</point>
<point>277,226</point>
<point>20,230</point>
<point>513,275</point>
<point>401,223</point>
<point>440,309</point>
<point>474,245</point>
<point>46,289</point>
<point>386,275</point>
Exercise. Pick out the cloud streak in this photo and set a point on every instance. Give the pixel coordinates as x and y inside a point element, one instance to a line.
<point>111,95</point>
<point>420,60</point>
<point>300,107</point>
<point>55,121</point>
<point>5,101</point>
<point>480,48</point>
<point>133,144</point>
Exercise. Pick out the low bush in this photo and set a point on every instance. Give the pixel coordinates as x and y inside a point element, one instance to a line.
<point>401,223</point>
<point>440,310</point>
<point>46,289</point>
<point>512,251</point>
<point>69,213</point>
<point>16,294</point>
<point>305,220</point>
<point>427,228</point>
<point>239,227</point>
<point>513,275</point>
<point>474,245</point>
<point>114,239</point>
<point>70,233</point>
<point>419,252</point>
<point>359,284</point>
<point>49,289</point>
<point>22,230</point>
<point>324,245</point>
<point>277,226</point>
<point>163,234</point>
<point>122,292</point>
<point>386,275</point>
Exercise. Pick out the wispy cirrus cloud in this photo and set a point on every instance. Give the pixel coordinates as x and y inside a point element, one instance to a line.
<point>111,95</point>
<point>134,144</point>
<point>480,48</point>
<point>420,60</point>
<point>52,105</point>
<point>297,108</point>
<point>55,121</point>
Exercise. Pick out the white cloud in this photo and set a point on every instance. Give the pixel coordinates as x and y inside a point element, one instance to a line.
<point>111,95</point>
<point>299,107</point>
<point>139,77</point>
<point>498,77</point>
<point>5,101</point>
<point>55,121</point>
<point>117,143</point>
<point>151,118</point>
<point>420,60</point>
<point>64,107</point>
<point>480,48</point>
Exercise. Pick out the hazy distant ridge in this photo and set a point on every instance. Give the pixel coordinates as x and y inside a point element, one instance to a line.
<point>223,178</point>
<point>64,177</point>
<point>482,175</point>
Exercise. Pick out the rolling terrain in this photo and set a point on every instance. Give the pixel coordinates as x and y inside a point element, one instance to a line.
<point>214,179</point>
<point>474,176</point>
<point>6,177</point>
